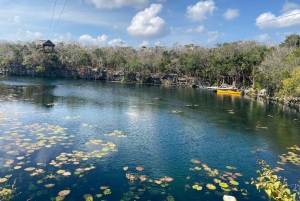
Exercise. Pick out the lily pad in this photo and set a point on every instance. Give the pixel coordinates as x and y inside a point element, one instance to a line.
<point>234,182</point>
<point>88,197</point>
<point>211,186</point>
<point>223,185</point>
<point>229,198</point>
<point>64,193</point>
<point>217,181</point>
<point>60,171</point>
<point>3,180</point>
<point>104,187</point>
<point>98,195</point>
<point>59,198</point>
<point>107,192</point>
<point>139,168</point>
<point>197,187</point>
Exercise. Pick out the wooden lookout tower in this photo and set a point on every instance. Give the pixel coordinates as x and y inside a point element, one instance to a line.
<point>47,45</point>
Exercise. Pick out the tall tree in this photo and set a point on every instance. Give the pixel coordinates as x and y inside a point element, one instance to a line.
<point>292,40</point>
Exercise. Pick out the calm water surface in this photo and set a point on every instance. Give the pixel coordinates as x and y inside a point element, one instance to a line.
<point>159,128</point>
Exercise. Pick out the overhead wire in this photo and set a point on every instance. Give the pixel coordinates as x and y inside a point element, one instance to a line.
<point>52,18</point>
<point>246,26</point>
<point>59,17</point>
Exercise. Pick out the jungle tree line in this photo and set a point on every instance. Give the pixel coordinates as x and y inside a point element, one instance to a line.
<point>246,63</point>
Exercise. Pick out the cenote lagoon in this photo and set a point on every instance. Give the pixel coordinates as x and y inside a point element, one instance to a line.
<point>81,139</point>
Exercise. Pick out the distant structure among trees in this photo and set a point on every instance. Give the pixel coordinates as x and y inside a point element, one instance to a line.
<point>47,45</point>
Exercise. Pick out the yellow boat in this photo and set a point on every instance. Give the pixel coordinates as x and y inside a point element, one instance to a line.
<point>230,92</point>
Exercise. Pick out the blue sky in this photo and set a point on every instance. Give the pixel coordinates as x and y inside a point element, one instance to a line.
<point>149,22</point>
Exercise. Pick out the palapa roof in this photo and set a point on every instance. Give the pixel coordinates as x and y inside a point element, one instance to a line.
<point>44,43</point>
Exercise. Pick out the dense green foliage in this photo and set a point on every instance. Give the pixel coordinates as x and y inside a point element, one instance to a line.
<point>245,63</point>
<point>291,85</point>
<point>275,187</point>
<point>7,192</point>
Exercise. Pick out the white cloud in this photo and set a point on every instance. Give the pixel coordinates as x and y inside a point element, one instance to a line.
<point>262,38</point>
<point>290,17</point>
<point>146,24</point>
<point>144,43</point>
<point>119,3</point>
<point>33,35</point>
<point>87,39</point>
<point>67,38</point>
<point>17,19</point>
<point>289,6</point>
<point>157,43</point>
<point>199,29</point>
<point>231,14</point>
<point>117,42</point>
<point>212,36</point>
<point>199,11</point>
<point>208,36</point>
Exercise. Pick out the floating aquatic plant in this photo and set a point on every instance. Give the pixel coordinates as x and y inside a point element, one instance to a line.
<point>292,156</point>
<point>3,180</point>
<point>29,169</point>
<point>98,195</point>
<point>195,161</point>
<point>234,182</point>
<point>139,168</point>
<point>211,186</point>
<point>49,185</point>
<point>59,198</point>
<point>197,187</point>
<point>64,193</point>
<point>228,198</point>
<point>107,192</point>
<point>88,197</point>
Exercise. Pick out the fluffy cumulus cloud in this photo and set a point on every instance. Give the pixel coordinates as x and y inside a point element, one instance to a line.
<point>87,39</point>
<point>231,14</point>
<point>262,38</point>
<point>117,42</point>
<point>146,24</point>
<point>200,11</point>
<point>290,17</point>
<point>109,4</point>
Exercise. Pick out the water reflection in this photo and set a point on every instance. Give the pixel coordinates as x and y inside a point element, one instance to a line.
<point>219,131</point>
<point>39,95</point>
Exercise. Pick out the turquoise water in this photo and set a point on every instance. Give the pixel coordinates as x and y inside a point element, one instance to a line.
<point>158,128</point>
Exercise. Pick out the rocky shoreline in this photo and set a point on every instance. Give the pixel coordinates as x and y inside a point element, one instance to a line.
<point>96,74</point>
<point>293,102</point>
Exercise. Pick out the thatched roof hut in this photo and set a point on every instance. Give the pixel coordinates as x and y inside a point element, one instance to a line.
<point>47,45</point>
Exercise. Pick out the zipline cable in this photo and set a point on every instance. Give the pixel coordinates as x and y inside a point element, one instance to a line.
<point>52,18</point>
<point>59,17</point>
<point>246,26</point>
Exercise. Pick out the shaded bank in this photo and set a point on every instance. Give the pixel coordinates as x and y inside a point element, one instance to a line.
<point>96,74</point>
